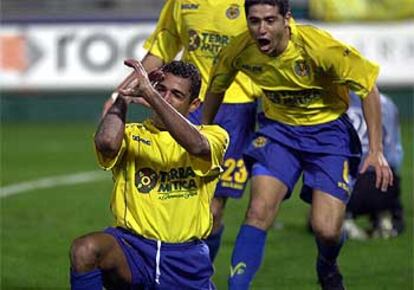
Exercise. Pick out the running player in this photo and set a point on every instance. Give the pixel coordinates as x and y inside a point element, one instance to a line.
<point>305,75</point>
<point>165,172</point>
<point>202,28</point>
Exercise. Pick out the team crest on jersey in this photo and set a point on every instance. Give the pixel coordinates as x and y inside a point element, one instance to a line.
<point>193,40</point>
<point>233,11</point>
<point>260,142</point>
<point>145,180</point>
<point>301,68</point>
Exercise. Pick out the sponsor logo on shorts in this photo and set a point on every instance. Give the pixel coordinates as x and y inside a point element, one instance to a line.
<point>233,11</point>
<point>239,269</point>
<point>259,142</point>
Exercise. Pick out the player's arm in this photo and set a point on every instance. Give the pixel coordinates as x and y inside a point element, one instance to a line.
<point>110,132</point>
<point>211,106</point>
<point>186,134</point>
<point>371,107</point>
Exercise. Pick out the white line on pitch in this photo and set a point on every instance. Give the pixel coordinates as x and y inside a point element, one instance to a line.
<point>52,181</point>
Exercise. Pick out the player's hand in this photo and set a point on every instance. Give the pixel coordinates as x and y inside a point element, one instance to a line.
<point>143,83</point>
<point>384,175</point>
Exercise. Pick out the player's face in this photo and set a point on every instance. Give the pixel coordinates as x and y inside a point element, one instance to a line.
<point>177,92</point>
<point>268,27</point>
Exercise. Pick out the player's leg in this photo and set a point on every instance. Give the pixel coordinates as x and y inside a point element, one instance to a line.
<point>214,239</point>
<point>266,195</point>
<point>93,254</point>
<point>275,170</point>
<point>239,122</point>
<point>327,216</point>
<point>329,179</point>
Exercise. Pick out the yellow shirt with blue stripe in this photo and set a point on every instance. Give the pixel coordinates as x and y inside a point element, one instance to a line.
<point>202,28</point>
<point>162,192</point>
<point>307,84</point>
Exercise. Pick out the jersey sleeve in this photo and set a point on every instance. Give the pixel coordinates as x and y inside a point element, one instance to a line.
<point>224,71</point>
<point>218,139</point>
<point>109,163</point>
<point>165,41</point>
<point>345,64</point>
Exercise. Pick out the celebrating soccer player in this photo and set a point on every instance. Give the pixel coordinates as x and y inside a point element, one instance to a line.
<point>306,76</point>
<point>165,171</point>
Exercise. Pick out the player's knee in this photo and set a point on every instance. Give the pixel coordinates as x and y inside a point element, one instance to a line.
<point>259,215</point>
<point>327,234</point>
<point>83,254</point>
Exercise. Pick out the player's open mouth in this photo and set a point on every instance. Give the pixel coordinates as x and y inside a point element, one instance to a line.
<point>264,44</point>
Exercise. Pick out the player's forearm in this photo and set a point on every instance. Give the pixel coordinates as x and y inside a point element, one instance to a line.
<point>371,107</point>
<point>110,132</point>
<point>186,134</point>
<point>211,106</point>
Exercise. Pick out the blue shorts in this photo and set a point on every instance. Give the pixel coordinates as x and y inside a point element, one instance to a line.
<point>239,120</point>
<point>181,266</point>
<point>333,173</point>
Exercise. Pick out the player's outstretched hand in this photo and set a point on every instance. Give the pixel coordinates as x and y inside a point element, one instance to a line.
<point>384,175</point>
<point>136,91</point>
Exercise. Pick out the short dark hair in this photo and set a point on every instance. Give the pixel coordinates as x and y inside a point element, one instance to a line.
<point>187,71</point>
<point>284,5</point>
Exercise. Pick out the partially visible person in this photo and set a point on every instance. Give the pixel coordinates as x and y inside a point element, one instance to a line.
<point>201,28</point>
<point>361,10</point>
<point>384,209</point>
<point>306,76</point>
<point>165,171</point>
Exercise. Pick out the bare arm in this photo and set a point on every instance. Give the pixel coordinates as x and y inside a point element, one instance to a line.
<point>371,107</point>
<point>150,63</point>
<point>211,106</point>
<point>186,134</point>
<point>110,132</point>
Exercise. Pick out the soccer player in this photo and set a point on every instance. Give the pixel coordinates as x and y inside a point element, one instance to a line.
<point>202,28</point>
<point>384,208</point>
<point>305,75</point>
<point>165,171</point>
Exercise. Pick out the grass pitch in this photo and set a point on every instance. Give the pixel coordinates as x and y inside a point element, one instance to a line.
<point>37,226</point>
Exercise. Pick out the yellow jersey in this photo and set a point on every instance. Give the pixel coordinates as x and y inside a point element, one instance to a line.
<point>307,84</point>
<point>161,192</point>
<point>202,28</point>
